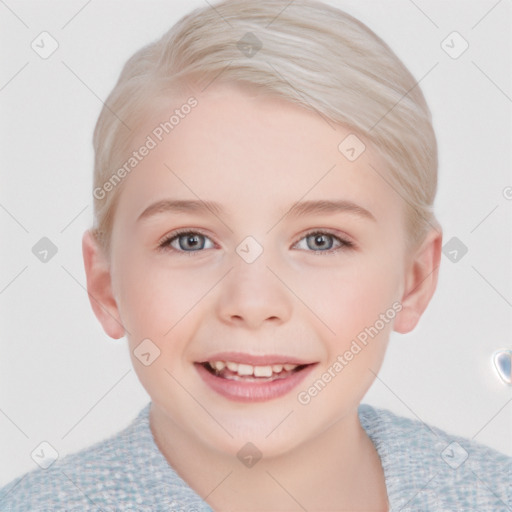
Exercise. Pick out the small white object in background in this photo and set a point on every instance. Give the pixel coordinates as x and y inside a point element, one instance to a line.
<point>503,365</point>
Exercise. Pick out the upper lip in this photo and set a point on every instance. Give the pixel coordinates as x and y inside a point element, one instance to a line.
<point>256,360</point>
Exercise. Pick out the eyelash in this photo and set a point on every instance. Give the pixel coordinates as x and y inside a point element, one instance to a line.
<point>164,245</point>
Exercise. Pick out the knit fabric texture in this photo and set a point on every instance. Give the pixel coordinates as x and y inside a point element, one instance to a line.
<point>425,469</point>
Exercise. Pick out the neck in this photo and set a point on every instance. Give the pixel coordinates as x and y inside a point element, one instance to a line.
<point>338,470</point>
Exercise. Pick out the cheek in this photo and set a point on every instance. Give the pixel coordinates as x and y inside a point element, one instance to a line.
<point>351,297</point>
<point>157,304</point>
<point>154,295</point>
<point>357,305</point>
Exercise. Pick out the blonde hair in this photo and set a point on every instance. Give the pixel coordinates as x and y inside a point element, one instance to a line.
<point>307,52</point>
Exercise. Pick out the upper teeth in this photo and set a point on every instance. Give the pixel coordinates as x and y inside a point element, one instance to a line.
<point>248,369</point>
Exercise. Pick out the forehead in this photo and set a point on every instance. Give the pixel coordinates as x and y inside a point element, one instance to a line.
<point>240,146</point>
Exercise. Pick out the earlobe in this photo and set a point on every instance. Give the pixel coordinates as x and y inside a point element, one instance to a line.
<point>99,287</point>
<point>420,282</point>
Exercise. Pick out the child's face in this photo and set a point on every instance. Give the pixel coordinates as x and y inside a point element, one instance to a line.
<point>297,302</point>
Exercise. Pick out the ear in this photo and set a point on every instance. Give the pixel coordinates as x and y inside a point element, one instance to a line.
<point>99,287</point>
<point>420,282</point>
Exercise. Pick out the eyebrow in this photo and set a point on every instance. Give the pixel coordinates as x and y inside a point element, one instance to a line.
<point>299,209</point>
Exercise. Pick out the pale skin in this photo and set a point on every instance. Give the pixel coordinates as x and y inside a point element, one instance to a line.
<point>256,157</point>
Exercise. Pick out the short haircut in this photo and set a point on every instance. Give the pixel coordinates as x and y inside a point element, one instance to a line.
<point>307,52</point>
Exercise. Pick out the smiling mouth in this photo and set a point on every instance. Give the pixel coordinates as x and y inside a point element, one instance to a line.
<point>251,378</point>
<point>250,373</point>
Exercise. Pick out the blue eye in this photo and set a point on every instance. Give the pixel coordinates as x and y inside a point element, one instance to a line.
<point>187,241</point>
<point>322,241</point>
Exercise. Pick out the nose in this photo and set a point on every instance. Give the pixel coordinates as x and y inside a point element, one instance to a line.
<point>253,294</point>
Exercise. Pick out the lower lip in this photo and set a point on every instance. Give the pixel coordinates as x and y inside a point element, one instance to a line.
<point>252,391</point>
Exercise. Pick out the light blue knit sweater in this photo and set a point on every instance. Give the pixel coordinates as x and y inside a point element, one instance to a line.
<point>425,468</point>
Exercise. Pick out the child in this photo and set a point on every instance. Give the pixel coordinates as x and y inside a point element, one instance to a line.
<point>263,222</point>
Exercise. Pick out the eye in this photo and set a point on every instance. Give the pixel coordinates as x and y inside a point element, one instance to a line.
<point>184,241</point>
<point>188,241</point>
<point>323,241</point>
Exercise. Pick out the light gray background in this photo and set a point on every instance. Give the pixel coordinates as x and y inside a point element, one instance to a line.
<point>64,381</point>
